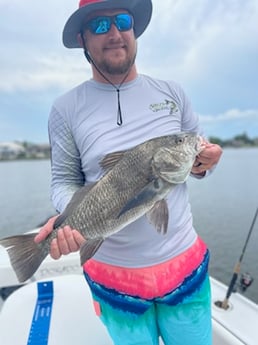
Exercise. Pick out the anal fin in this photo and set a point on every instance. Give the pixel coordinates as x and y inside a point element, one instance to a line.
<point>89,248</point>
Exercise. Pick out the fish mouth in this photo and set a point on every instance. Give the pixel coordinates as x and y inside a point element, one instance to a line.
<point>176,177</point>
<point>178,170</point>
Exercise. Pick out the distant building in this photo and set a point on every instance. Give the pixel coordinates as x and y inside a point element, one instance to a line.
<point>37,151</point>
<point>25,150</point>
<point>11,150</point>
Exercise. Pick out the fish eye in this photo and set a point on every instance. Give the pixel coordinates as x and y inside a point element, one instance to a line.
<point>179,140</point>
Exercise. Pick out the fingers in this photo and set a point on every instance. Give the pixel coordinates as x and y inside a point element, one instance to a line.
<point>211,155</point>
<point>54,250</point>
<point>78,238</point>
<point>207,158</point>
<point>63,244</point>
<point>45,230</point>
<point>67,241</point>
<point>198,168</point>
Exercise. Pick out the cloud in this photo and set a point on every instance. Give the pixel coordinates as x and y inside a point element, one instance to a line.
<point>207,46</point>
<point>193,37</point>
<point>190,41</point>
<point>231,115</point>
<point>32,54</point>
<point>46,72</point>
<point>230,123</point>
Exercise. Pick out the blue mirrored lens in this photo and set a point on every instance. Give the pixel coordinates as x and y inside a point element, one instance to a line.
<point>102,24</point>
<point>123,22</point>
<point>99,25</point>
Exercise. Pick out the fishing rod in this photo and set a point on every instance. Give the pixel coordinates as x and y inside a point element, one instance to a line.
<point>224,304</point>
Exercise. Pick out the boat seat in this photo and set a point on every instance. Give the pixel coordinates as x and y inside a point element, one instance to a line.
<point>73,319</point>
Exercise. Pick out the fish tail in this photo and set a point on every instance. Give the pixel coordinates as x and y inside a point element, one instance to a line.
<point>25,255</point>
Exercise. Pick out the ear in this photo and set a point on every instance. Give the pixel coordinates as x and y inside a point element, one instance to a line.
<point>79,39</point>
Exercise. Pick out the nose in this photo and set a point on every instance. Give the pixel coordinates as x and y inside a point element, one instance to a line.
<point>114,32</point>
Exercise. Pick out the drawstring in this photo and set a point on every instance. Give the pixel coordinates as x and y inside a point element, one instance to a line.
<point>119,120</point>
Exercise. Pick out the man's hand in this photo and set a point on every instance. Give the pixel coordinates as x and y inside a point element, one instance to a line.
<point>207,158</point>
<point>68,240</point>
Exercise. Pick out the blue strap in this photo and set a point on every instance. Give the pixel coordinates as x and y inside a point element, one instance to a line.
<point>41,319</point>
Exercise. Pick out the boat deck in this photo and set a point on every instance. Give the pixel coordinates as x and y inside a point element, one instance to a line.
<point>73,307</point>
<point>237,324</point>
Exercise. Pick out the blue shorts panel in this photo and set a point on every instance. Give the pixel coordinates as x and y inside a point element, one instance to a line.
<point>186,323</point>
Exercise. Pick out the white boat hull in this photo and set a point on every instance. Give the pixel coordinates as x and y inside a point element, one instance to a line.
<point>73,319</point>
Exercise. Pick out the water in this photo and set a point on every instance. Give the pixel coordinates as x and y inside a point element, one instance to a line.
<point>24,195</point>
<point>223,207</point>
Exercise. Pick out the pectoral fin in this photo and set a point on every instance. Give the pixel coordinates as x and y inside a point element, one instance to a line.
<point>158,216</point>
<point>89,248</point>
<point>145,195</point>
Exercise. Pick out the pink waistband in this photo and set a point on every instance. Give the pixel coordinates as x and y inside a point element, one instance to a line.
<point>148,282</point>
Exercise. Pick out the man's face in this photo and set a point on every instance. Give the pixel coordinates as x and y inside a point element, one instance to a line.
<point>113,52</point>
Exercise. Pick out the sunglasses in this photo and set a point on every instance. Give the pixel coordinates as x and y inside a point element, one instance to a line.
<point>102,24</point>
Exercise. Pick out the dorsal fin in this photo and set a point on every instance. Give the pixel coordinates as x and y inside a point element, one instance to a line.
<point>111,159</point>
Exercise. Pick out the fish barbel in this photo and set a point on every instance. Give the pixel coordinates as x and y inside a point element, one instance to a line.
<point>135,183</point>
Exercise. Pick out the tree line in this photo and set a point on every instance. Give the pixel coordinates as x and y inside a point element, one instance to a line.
<point>240,140</point>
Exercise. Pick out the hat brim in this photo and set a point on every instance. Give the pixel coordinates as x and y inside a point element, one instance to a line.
<point>141,10</point>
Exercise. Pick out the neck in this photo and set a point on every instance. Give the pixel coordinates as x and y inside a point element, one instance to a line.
<point>115,79</point>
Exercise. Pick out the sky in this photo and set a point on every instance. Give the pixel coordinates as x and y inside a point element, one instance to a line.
<point>209,47</point>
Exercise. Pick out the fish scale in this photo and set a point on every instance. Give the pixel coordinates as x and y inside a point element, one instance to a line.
<point>135,183</point>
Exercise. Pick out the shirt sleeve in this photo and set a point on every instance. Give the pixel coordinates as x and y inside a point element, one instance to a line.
<point>190,122</point>
<point>67,175</point>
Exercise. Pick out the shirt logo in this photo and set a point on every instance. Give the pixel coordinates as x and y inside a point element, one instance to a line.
<point>166,105</point>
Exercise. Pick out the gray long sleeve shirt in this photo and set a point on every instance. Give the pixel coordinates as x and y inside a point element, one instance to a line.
<point>83,129</point>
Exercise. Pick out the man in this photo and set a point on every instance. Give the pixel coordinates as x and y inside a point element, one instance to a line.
<point>144,285</point>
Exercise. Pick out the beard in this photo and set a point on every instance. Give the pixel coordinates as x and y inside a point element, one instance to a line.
<point>121,68</point>
<point>108,66</point>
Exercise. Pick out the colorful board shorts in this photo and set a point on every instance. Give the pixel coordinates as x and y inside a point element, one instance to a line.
<point>170,300</point>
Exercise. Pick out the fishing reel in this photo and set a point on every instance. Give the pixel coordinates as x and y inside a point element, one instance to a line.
<point>245,281</point>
